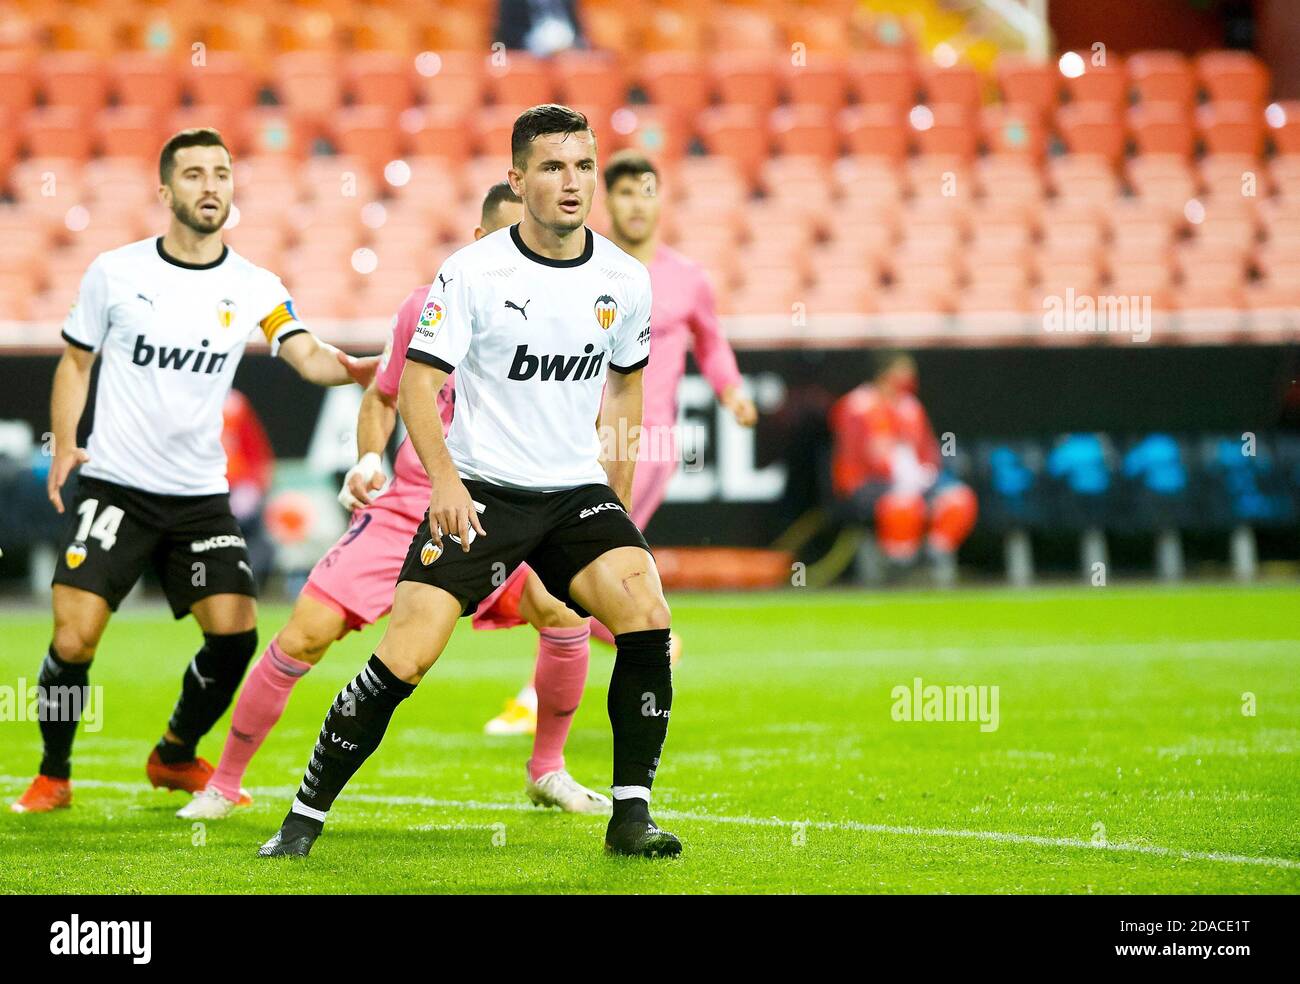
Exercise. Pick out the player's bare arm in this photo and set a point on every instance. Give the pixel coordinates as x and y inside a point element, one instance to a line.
<point>375,422</point>
<point>321,363</point>
<point>68,400</point>
<point>620,415</point>
<point>451,510</point>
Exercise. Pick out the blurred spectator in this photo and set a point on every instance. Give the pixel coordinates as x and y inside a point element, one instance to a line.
<point>249,466</point>
<point>887,471</point>
<point>540,27</point>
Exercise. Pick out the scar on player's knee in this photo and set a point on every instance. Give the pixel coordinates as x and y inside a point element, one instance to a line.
<point>627,580</point>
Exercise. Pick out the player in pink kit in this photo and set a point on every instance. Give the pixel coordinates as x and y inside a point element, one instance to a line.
<point>683,317</point>
<point>352,586</point>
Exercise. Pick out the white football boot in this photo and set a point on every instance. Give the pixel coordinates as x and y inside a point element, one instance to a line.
<point>560,789</point>
<point>208,804</point>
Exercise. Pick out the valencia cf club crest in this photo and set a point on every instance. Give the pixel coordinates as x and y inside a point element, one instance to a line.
<point>226,312</point>
<point>74,555</point>
<point>606,311</point>
<point>428,553</point>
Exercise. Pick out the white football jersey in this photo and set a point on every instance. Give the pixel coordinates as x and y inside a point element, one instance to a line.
<point>169,335</point>
<point>530,339</point>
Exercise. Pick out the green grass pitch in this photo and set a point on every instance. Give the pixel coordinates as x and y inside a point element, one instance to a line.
<point>1124,760</point>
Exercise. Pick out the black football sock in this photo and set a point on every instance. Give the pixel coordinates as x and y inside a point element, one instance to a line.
<point>640,698</point>
<point>207,689</point>
<point>64,690</point>
<point>353,729</point>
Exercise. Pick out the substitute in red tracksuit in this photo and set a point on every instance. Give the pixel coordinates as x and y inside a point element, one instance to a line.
<point>887,469</point>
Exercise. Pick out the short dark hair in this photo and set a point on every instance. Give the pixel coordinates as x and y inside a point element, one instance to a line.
<point>497,194</point>
<point>628,164</point>
<point>202,136</point>
<point>546,118</point>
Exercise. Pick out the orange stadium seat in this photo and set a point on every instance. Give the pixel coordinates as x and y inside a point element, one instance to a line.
<point>149,80</point>
<point>271,130</point>
<point>1014,129</point>
<point>676,79</point>
<point>590,77</point>
<point>438,131</point>
<point>674,30</point>
<point>1099,83</point>
<point>456,79</point>
<point>129,131</point>
<point>1283,120</point>
<point>521,80</point>
<point>369,133</point>
<point>231,29</point>
<point>224,79</point>
<point>73,79</point>
<point>17,81</point>
<point>655,130</point>
<point>1024,82</point>
<point>383,31</point>
<point>1162,77</point>
<point>885,76</point>
<point>380,78</point>
<point>229,123</point>
<point>1233,76</point>
<point>805,129</point>
<point>310,87</point>
<point>733,28</point>
<point>1092,128</point>
<point>56,131</point>
<point>1162,128</point>
<point>493,126</point>
<point>821,82</point>
<point>735,132</point>
<point>1231,128</point>
<point>745,79</point>
<point>951,132</point>
<point>959,84</point>
<point>460,30</point>
<point>874,131</point>
<point>611,28</point>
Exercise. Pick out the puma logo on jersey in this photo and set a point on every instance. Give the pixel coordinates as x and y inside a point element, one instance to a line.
<point>177,359</point>
<point>147,300</point>
<point>512,304</point>
<point>444,281</point>
<point>557,367</point>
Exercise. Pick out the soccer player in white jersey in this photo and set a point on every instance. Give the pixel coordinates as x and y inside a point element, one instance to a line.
<point>352,587</point>
<point>170,317</point>
<point>536,320</point>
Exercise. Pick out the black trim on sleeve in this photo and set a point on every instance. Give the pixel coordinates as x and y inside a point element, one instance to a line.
<point>587,250</point>
<point>77,344</point>
<point>633,368</point>
<point>289,334</point>
<point>429,360</point>
<point>225,251</point>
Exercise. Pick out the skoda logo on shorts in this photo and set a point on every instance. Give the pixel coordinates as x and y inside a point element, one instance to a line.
<point>74,555</point>
<point>429,552</point>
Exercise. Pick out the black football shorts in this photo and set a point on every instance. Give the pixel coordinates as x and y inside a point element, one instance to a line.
<point>193,543</point>
<point>556,533</point>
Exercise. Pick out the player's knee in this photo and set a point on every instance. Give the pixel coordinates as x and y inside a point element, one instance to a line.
<point>552,614</point>
<point>652,614</point>
<point>72,645</point>
<point>307,643</point>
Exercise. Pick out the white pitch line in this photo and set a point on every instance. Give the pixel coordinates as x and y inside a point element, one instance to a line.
<point>855,826</point>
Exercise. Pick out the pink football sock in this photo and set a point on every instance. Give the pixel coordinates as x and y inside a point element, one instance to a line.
<point>562,657</point>
<point>261,702</point>
<point>600,632</point>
